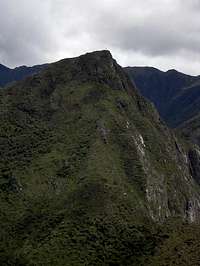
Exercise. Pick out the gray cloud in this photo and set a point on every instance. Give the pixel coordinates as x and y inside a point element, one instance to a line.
<point>164,33</point>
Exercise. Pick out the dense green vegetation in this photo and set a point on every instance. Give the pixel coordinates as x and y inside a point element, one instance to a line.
<point>191,129</point>
<point>88,172</point>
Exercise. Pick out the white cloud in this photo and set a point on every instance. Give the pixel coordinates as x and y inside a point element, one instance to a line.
<point>164,33</point>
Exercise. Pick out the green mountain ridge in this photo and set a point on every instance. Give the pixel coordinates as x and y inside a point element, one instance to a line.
<point>89,173</point>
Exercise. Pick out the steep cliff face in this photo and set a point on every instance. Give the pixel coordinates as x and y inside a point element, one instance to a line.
<point>191,129</point>
<point>85,164</point>
<point>194,157</point>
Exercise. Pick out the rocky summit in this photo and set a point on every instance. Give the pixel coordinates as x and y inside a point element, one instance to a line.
<point>90,174</point>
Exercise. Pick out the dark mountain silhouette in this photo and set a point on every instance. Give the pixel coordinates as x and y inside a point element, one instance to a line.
<point>8,75</point>
<point>175,95</point>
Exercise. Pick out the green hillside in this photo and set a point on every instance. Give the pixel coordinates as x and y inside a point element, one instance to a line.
<point>89,174</point>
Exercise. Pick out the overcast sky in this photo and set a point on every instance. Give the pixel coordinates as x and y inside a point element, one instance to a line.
<point>160,33</point>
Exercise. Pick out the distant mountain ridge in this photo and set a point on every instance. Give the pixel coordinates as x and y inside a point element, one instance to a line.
<point>8,75</point>
<point>175,95</point>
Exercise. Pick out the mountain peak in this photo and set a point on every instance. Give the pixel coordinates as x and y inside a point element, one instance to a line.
<point>3,68</point>
<point>98,66</point>
<point>96,55</point>
<point>103,58</point>
<point>99,53</point>
<point>172,71</point>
